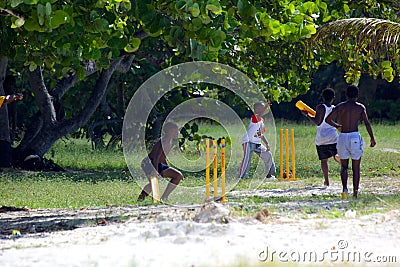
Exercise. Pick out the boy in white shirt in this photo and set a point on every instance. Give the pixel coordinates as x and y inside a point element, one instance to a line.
<point>327,136</point>
<point>251,143</point>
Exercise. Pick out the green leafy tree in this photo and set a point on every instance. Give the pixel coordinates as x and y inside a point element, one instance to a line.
<point>63,44</point>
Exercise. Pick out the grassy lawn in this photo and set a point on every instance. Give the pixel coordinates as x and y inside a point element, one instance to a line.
<point>101,178</point>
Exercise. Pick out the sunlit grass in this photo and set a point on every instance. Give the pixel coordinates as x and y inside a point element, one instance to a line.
<point>98,178</point>
<point>67,190</point>
<point>78,154</point>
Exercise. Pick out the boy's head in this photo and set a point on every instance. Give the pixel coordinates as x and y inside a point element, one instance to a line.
<point>260,108</point>
<point>352,92</point>
<point>171,129</point>
<point>328,95</point>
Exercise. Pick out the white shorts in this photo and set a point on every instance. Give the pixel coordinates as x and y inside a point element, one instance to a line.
<point>350,145</point>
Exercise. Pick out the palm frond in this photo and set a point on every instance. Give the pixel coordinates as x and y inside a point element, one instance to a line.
<point>376,38</point>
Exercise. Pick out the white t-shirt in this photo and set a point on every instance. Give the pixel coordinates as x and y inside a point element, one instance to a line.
<point>255,131</point>
<point>326,134</point>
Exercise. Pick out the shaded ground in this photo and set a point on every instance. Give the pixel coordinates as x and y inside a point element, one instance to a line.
<point>50,220</point>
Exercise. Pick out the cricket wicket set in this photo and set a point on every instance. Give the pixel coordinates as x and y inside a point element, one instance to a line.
<point>215,170</point>
<point>288,176</point>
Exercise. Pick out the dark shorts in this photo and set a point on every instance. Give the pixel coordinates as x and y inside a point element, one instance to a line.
<point>148,168</point>
<point>326,151</point>
<point>162,167</point>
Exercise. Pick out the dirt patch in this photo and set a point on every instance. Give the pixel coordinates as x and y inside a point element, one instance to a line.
<point>389,150</point>
<point>205,235</point>
<point>48,220</point>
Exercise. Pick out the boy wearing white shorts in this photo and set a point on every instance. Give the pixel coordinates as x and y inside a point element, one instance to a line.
<point>345,117</point>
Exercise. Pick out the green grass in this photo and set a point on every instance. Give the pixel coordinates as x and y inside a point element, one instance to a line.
<point>78,154</point>
<point>101,178</point>
<point>66,190</point>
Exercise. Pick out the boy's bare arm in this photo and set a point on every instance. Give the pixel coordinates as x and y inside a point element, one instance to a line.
<point>265,142</point>
<point>156,158</point>
<point>331,116</point>
<point>12,98</point>
<point>319,115</point>
<point>368,127</point>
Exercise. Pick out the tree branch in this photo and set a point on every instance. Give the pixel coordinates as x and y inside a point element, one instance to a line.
<point>70,80</point>
<point>42,96</point>
<point>125,64</point>
<point>6,12</point>
<point>99,90</point>
<point>141,34</point>
<point>152,60</point>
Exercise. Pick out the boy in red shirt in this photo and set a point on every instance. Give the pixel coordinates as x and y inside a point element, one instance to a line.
<point>251,143</point>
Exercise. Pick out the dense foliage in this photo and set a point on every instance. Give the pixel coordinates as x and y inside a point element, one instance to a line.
<point>70,50</point>
<point>266,39</point>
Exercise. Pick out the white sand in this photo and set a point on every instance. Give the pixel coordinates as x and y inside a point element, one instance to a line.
<point>188,243</point>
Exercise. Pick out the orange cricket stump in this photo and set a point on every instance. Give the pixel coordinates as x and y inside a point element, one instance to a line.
<point>281,154</point>
<point>293,156</point>
<point>223,193</point>
<point>215,169</point>
<point>207,169</point>
<point>287,174</point>
<point>287,152</point>
<point>155,189</point>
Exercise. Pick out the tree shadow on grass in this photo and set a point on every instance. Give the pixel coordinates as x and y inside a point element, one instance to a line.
<point>90,176</point>
<point>26,221</point>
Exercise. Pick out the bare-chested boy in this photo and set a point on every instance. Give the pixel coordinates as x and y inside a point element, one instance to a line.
<point>155,163</point>
<point>350,143</point>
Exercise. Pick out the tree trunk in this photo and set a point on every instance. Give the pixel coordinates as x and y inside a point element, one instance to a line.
<point>46,127</point>
<point>5,137</point>
<point>4,125</point>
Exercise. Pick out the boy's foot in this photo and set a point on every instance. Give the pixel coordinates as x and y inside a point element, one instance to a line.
<point>142,196</point>
<point>326,183</point>
<point>270,177</point>
<point>355,194</point>
<point>345,195</point>
<point>217,199</point>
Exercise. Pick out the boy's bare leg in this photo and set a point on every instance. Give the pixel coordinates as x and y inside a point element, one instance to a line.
<point>356,176</point>
<point>344,173</point>
<point>145,192</point>
<point>324,167</point>
<point>176,178</point>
